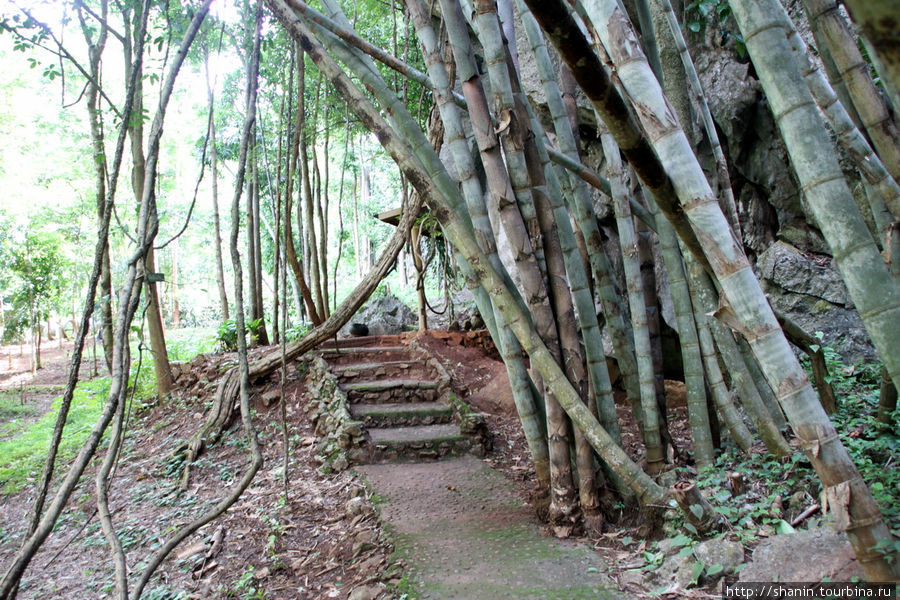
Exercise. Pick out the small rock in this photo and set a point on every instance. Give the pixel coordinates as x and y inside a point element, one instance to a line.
<point>365,536</point>
<point>340,463</point>
<point>355,506</point>
<point>360,547</point>
<point>635,577</point>
<point>719,551</point>
<point>677,569</point>
<point>365,592</point>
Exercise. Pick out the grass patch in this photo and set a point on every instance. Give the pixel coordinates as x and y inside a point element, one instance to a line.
<point>22,456</point>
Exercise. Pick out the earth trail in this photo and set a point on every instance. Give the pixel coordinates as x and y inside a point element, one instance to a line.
<point>465,534</point>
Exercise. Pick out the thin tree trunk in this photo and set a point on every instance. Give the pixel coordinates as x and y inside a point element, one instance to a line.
<point>214,164</point>
<point>95,50</point>
<point>312,257</point>
<point>290,249</point>
<point>140,174</point>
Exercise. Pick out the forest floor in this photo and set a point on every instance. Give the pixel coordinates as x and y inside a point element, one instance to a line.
<point>325,538</point>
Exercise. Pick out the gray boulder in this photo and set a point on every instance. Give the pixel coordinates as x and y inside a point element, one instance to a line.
<point>720,551</point>
<point>387,315</point>
<point>803,556</point>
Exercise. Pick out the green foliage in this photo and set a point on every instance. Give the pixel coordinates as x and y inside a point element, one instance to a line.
<point>247,587</point>
<point>34,266</point>
<point>296,332</point>
<point>185,344</point>
<point>164,593</point>
<point>226,333</point>
<point>698,14</point>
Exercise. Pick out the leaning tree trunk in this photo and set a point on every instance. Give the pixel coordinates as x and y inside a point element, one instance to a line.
<point>829,25</point>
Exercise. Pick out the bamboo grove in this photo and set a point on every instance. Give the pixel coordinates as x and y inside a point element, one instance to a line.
<point>509,185</point>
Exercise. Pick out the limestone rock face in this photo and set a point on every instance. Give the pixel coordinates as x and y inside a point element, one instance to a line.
<point>809,290</point>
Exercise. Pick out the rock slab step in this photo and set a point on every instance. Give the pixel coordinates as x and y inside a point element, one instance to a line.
<point>402,414</point>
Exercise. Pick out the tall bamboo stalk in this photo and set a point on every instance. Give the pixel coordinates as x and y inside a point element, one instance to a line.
<point>503,200</point>
<point>691,355</point>
<point>525,217</point>
<point>726,199</point>
<point>829,25</point>
<point>868,163</point>
<point>628,243</point>
<point>579,202</point>
<point>508,346</point>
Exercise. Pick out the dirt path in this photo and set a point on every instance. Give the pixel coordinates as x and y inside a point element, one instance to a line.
<point>465,533</point>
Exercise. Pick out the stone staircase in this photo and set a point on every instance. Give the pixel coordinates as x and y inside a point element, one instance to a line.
<point>402,399</point>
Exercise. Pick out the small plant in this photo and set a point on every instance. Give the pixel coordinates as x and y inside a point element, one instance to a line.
<point>246,586</point>
<point>164,593</point>
<point>226,333</point>
<point>296,332</point>
<point>697,17</point>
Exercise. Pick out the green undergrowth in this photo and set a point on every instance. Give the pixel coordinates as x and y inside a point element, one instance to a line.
<point>770,482</point>
<point>13,409</point>
<point>22,456</point>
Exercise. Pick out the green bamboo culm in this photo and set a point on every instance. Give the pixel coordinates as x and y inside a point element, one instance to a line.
<point>579,202</point>
<point>628,244</point>
<point>691,355</point>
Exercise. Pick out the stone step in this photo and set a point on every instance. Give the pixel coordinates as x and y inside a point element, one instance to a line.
<point>350,356</point>
<point>410,444</point>
<point>391,391</point>
<point>384,370</point>
<point>402,414</point>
